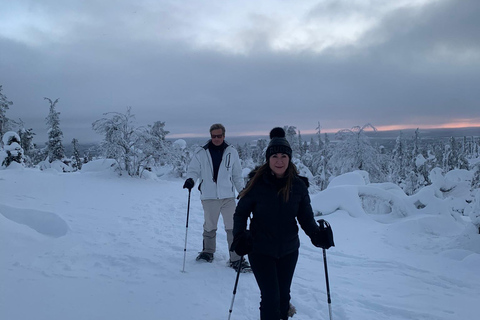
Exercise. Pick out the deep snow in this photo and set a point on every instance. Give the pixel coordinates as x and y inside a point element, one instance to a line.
<point>92,245</point>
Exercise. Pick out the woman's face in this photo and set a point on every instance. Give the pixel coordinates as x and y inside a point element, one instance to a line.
<point>278,163</point>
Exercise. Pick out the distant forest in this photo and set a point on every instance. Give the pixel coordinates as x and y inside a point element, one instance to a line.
<point>405,157</point>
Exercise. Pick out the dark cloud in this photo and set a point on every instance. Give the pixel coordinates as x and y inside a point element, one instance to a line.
<point>418,65</point>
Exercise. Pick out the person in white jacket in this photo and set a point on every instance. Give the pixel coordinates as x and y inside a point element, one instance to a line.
<point>217,167</point>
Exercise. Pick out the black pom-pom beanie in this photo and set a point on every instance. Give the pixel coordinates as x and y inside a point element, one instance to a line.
<point>278,144</point>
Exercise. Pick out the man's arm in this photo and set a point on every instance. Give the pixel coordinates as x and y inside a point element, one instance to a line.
<point>194,169</point>
<point>237,172</point>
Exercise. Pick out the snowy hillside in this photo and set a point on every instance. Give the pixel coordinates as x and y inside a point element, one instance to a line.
<point>91,245</point>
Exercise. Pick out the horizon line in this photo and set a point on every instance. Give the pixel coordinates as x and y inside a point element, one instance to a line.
<point>386,128</point>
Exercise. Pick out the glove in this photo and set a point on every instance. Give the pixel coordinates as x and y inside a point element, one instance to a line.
<point>242,243</point>
<point>189,183</point>
<point>323,237</point>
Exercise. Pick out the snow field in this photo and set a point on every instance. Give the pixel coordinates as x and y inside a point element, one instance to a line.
<point>93,245</point>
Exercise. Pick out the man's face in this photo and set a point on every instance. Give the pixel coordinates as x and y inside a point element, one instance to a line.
<point>217,137</point>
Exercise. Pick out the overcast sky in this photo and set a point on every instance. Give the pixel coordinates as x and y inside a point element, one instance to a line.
<point>250,65</point>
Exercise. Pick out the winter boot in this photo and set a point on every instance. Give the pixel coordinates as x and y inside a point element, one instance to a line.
<point>205,256</point>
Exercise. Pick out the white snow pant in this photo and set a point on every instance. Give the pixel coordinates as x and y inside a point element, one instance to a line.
<point>211,211</point>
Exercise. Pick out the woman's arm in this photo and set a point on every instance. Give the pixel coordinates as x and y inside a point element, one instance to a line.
<point>242,212</point>
<point>305,216</point>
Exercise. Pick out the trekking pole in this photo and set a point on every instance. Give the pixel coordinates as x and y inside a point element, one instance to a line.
<point>328,285</point>
<point>235,287</point>
<point>186,231</point>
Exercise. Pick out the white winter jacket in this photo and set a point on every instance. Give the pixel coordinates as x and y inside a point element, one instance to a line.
<point>229,174</point>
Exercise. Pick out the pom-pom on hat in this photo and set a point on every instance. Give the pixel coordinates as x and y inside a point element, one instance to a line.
<point>278,143</point>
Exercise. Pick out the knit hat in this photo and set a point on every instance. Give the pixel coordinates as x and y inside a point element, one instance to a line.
<point>278,143</point>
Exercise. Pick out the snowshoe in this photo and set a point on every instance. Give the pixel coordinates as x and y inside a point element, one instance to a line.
<point>243,263</point>
<point>205,256</point>
<point>291,311</point>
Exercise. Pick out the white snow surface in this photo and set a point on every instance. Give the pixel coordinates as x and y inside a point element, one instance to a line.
<point>92,245</point>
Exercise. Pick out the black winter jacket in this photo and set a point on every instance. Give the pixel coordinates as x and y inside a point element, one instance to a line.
<point>274,223</point>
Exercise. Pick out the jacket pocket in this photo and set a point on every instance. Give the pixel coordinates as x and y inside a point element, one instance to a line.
<point>227,160</point>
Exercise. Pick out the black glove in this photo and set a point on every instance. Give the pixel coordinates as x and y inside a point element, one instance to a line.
<point>189,183</point>
<point>323,237</point>
<point>242,243</point>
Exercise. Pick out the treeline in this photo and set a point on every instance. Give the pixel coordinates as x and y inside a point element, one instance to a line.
<point>134,148</point>
<point>408,164</point>
<point>139,148</point>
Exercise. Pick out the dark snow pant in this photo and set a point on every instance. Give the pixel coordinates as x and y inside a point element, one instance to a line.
<point>274,278</point>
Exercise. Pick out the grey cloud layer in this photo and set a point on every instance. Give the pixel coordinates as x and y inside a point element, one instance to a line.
<point>418,64</point>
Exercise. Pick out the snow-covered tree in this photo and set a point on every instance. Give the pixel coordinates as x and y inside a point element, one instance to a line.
<point>135,148</point>
<point>291,136</point>
<point>302,146</point>
<point>4,106</point>
<point>313,146</point>
<point>26,138</point>
<point>26,142</point>
<point>454,157</point>
<point>354,152</point>
<point>319,136</point>
<point>12,151</point>
<point>179,157</point>
<point>258,153</point>
<point>121,135</point>
<point>76,160</point>
<point>398,160</point>
<point>55,147</point>
<point>451,155</point>
<point>161,147</point>
<point>245,155</point>
<point>419,172</point>
<point>325,171</point>
<point>476,177</point>
<point>87,156</point>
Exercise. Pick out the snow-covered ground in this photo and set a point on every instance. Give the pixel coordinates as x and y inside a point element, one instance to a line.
<point>92,245</point>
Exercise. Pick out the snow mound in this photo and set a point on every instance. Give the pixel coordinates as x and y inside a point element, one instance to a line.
<point>355,178</point>
<point>448,195</point>
<point>46,223</point>
<point>56,166</point>
<point>100,165</point>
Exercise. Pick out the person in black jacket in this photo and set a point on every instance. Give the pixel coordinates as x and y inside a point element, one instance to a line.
<point>277,197</point>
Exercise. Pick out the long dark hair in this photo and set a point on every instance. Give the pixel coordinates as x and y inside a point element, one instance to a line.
<point>290,174</point>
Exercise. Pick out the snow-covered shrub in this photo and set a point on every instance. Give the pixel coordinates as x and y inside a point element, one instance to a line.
<point>476,176</point>
<point>303,169</point>
<point>12,151</point>
<point>56,165</point>
<point>179,157</point>
<point>473,210</point>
